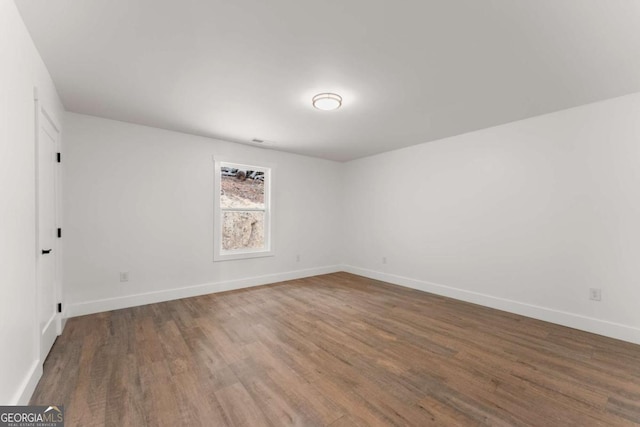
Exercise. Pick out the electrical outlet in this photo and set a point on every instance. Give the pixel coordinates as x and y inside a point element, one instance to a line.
<point>298,258</point>
<point>124,276</point>
<point>595,294</point>
<point>384,259</point>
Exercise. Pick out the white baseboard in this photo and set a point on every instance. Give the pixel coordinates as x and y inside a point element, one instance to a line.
<point>108,304</point>
<point>572,320</point>
<point>24,393</point>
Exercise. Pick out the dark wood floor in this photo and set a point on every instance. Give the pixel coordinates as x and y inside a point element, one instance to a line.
<point>336,350</point>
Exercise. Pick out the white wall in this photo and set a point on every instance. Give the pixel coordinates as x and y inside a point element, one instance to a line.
<point>140,199</point>
<point>524,217</point>
<point>20,70</point>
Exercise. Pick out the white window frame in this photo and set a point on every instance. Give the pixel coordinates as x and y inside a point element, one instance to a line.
<point>220,254</point>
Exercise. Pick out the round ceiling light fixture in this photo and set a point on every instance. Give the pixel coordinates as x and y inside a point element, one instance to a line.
<point>327,101</point>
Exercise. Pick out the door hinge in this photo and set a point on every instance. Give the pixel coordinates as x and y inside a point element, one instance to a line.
<point>59,233</point>
<point>59,307</point>
<point>59,157</point>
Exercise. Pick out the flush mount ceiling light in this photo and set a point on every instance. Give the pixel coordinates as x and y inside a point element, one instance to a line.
<point>327,101</point>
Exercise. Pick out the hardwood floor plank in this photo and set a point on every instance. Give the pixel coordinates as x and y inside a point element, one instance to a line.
<point>240,408</point>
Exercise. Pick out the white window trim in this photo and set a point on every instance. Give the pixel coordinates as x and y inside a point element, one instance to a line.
<point>218,253</point>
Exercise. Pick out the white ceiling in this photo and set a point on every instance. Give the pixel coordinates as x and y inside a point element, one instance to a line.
<point>409,71</point>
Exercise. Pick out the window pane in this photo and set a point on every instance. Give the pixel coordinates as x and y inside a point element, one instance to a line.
<point>241,188</point>
<point>242,230</point>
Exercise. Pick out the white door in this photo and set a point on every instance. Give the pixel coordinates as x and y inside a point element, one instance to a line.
<point>47,143</point>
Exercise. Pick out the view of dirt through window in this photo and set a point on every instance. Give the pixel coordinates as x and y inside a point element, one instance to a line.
<point>242,189</point>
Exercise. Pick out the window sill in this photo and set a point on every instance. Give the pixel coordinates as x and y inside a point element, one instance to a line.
<point>242,255</point>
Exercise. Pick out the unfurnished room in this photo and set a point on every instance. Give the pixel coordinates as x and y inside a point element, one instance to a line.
<point>320,213</point>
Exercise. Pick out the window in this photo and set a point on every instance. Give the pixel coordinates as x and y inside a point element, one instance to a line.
<point>242,224</point>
